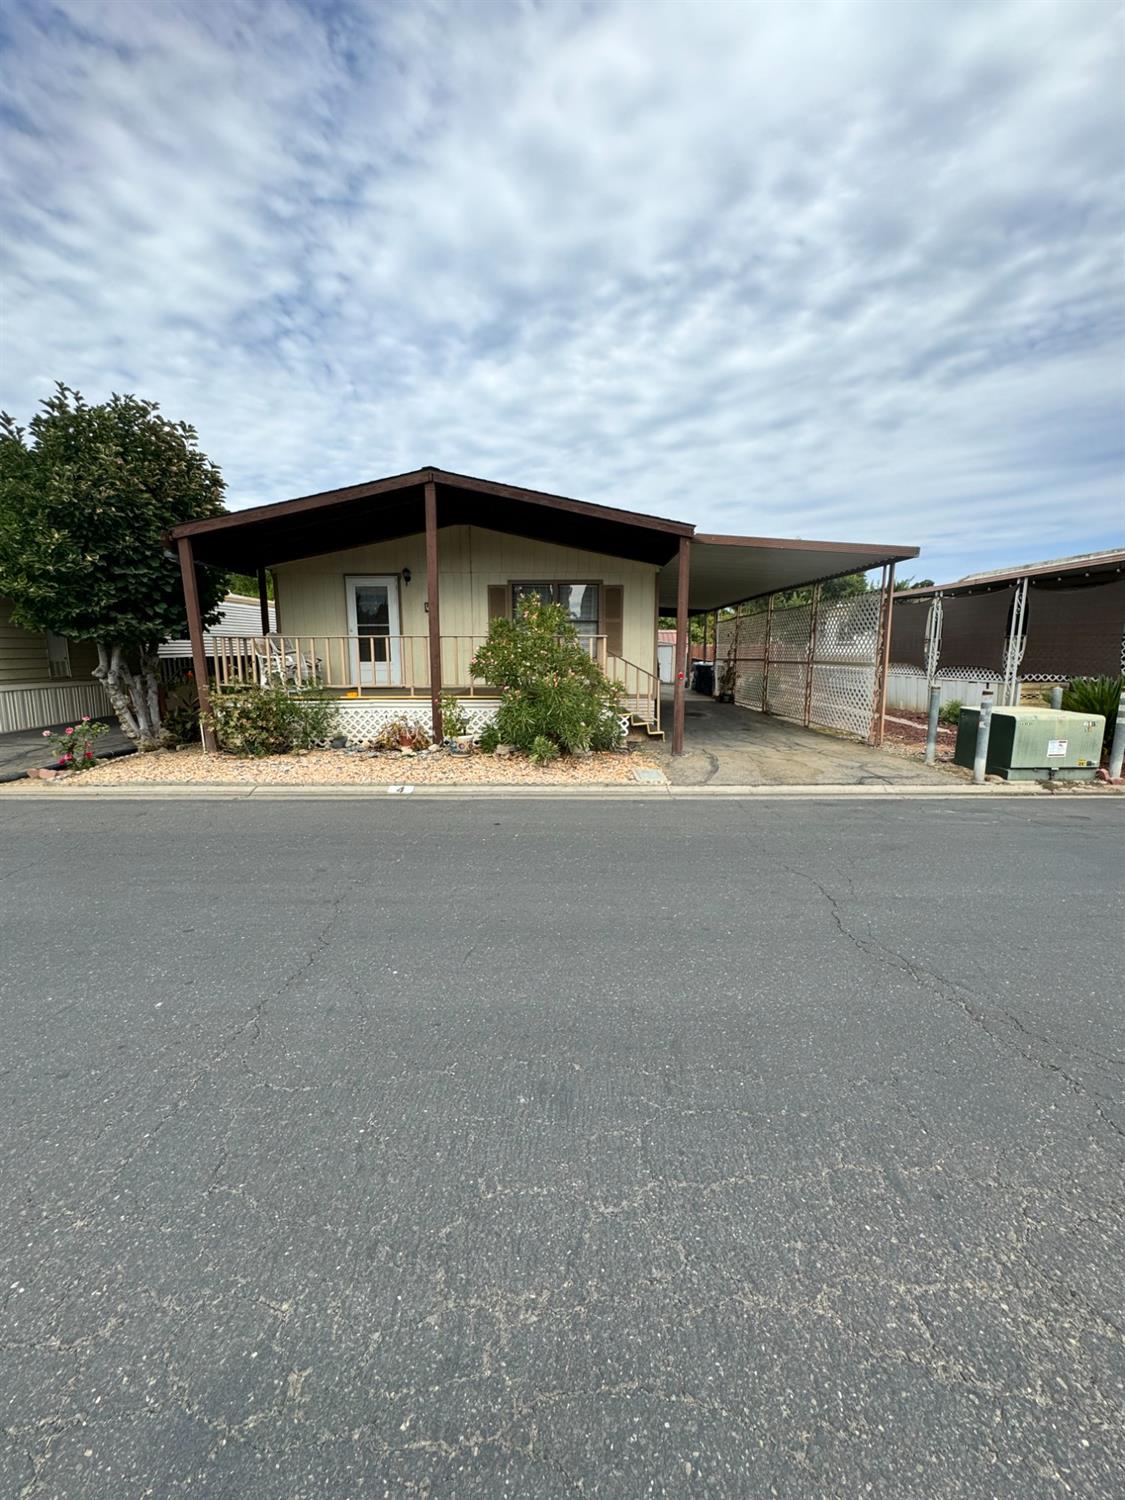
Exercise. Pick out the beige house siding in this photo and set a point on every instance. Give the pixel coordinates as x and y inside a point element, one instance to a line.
<point>23,654</point>
<point>311,598</point>
<point>30,698</point>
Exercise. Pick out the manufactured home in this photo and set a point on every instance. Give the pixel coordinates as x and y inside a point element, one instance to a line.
<point>385,590</point>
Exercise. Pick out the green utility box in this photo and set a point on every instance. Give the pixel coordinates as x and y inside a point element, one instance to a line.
<point>1031,744</point>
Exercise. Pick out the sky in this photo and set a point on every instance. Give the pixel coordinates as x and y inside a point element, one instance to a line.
<point>838,270</point>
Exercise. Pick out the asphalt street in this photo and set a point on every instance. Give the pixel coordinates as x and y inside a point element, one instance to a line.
<point>441,1149</point>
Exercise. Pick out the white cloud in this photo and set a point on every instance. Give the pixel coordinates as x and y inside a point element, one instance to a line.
<point>840,269</point>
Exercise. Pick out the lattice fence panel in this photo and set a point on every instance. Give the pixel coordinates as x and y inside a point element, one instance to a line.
<point>847,630</point>
<point>785,694</point>
<point>789,633</point>
<point>843,697</point>
<point>748,685</point>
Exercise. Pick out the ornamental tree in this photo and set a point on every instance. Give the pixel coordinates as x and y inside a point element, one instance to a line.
<point>87,496</point>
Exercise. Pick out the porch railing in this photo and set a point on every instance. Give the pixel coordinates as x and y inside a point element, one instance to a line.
<point>640,690</point>
<point>358,665</point>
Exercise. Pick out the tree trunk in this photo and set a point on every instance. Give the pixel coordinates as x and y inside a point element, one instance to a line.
<point>135,698</point>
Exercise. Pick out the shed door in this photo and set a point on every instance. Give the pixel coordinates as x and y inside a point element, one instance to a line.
<point>665,656</point>
<point>373,624</point>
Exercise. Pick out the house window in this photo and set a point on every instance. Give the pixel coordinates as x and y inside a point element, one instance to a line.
<point>582,602</point>
<point>58,655</point>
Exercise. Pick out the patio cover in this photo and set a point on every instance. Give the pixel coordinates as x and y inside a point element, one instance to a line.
<point>728,570</point>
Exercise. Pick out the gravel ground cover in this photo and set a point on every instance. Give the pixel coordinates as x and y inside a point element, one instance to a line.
<point>339,767</point>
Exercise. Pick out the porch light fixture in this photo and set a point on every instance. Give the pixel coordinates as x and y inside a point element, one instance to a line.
<point>406,575</point>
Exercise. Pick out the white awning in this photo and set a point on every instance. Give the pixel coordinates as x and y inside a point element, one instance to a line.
<point>726,570</point>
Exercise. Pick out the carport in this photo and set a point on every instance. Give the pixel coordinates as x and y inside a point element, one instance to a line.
<point>728,745</point>
<point>788,660</point>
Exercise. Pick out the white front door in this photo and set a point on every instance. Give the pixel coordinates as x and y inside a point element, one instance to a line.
<point>373,624</point>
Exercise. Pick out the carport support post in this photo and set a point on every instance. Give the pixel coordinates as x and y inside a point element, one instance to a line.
<point>264,601</point>
<point>683,584</point>
<point>434,610</point>
<point>195,635</point>
<point>882,665</point>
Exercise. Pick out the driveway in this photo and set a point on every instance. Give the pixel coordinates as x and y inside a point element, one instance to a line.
<point>725,745</point>
<point>462,1150</point>
<point>24,749</point>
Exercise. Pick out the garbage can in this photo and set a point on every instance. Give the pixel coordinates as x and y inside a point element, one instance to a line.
<point>703,678</point>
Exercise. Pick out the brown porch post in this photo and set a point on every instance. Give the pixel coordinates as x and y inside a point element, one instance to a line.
<point>263,601</point>
<point>683,579</point>
<point>195,635</point>
<point>433,606</point>
<point>882,664</point>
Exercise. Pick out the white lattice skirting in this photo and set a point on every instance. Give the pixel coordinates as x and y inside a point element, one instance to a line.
<point>361,721</point>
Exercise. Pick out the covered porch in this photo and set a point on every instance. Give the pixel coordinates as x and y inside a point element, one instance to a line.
<point>386,533</point>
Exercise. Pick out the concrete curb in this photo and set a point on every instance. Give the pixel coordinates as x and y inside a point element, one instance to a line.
<point>240,792</point>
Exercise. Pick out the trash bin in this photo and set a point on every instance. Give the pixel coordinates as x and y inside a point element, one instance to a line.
<point>703,678</point>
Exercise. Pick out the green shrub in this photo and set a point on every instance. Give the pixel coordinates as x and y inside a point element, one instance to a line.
<point>552,688</point>
<point>542,750</point>
<point>454,719</point>
<point>257,721</point>
<point>181,712</point>
<point>490,738</point>
<point>950,713</point>
<point>1095,695</point>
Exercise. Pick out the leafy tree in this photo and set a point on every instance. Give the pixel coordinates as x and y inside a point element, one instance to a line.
<point>87,496</point>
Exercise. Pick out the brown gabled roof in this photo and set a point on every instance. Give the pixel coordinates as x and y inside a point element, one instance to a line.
<point>334,520</point>
<point>724,569</point>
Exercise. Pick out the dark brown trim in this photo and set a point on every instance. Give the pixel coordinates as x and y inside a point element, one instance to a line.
<point>195,635</point>
<point>263,601</point>
<point>300,504</point>
<point>563,502</point>
<point>279,509</point>
<point>433,607</point>
<point>883,664</point>
<point>683,587</point>
<point>794,544</point>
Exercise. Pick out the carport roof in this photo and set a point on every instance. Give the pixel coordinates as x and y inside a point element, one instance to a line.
<point>728,570</point>
<point>724,569</point>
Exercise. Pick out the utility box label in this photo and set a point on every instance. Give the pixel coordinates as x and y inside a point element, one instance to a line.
<point>1056,747</point>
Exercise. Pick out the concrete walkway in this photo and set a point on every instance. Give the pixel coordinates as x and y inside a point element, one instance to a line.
<point>725,745</point>
<point>25,749</point>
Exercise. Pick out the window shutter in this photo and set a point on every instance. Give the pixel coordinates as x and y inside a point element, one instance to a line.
<point>497,601</point>
<point>614,620</point>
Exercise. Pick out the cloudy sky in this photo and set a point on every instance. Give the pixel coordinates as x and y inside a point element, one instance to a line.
<point>844,270</point>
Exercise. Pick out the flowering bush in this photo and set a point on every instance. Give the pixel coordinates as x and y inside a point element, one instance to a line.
<point>74,745</point>
<point>552,688</point>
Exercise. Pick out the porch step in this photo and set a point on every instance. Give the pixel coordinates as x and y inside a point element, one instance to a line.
<point>637,721</point>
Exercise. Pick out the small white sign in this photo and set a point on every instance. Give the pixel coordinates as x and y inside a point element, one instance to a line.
<point>1055,747</point>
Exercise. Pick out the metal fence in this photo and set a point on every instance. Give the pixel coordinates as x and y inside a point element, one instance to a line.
<point>818,663</point>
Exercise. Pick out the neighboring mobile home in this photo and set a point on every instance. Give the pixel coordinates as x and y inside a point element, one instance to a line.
<point>385,590</point>
<point>45,679</point>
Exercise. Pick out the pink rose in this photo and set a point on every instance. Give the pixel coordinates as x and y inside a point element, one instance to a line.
<point>70,730</point>
<point>46,734</point>
<point>85,718</point>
